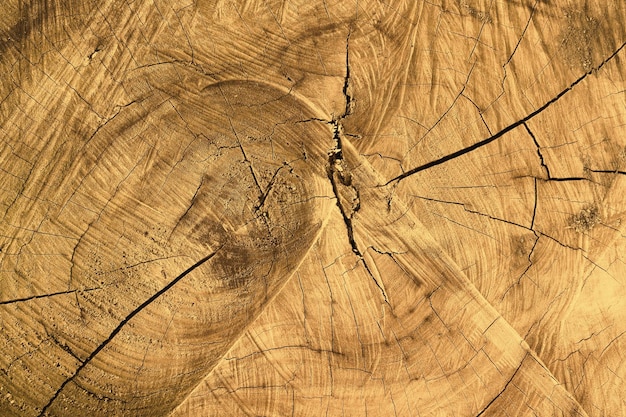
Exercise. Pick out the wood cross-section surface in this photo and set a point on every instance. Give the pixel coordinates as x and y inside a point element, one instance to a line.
<point>312,208</point>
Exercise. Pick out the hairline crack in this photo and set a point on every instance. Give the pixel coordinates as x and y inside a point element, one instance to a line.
<point>121,325</point>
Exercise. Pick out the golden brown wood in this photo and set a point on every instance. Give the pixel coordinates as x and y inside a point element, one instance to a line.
<point>217,208</point>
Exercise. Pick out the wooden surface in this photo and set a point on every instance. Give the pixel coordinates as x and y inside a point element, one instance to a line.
<point>256,208</point>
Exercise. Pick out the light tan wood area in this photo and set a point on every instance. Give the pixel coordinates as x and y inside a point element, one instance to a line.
<point>312,208</point>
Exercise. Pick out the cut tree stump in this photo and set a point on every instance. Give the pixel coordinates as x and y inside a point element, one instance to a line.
<point>312,208</point>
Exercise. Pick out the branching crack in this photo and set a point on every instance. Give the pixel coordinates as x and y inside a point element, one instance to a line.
<point>479,110</point>
<point>120,326</point>
<point>335,175</point>
<point>507,129</point>
<point>444,114</point>
<point>503,389</point>
<point>559,242</point>
<point>246,160</point>
<point>530,264</point>
<point>472,211</point>
<point>532,228</point>
<point>64,346</point>
<point>263,197</point>
<point>340,178</point>
<point>332,174</point>
<point>543,162</point>
<point>262,193</point>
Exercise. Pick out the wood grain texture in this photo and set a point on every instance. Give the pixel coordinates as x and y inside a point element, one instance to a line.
<point>216,208</point>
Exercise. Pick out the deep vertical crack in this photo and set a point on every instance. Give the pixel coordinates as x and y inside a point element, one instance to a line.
<point>338,174</point>
<point>120,326</point>
<point>335,155</point>
<point>346,80</point>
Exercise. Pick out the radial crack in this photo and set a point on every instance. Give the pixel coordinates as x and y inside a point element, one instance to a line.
<point>507,129</point>
<point>503,389</point>
<point>35,297</point>
<point>121,325</point>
